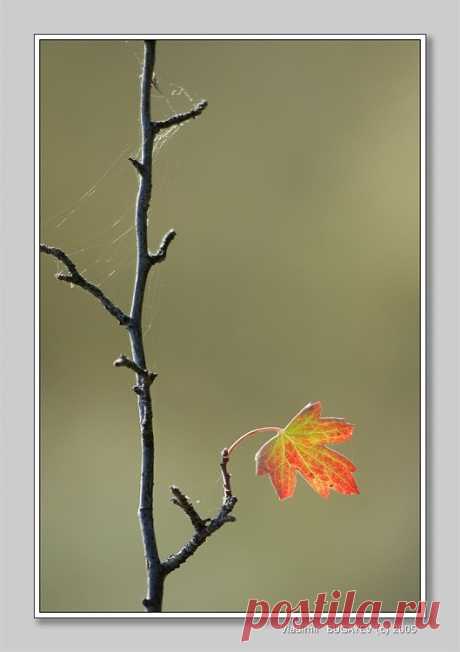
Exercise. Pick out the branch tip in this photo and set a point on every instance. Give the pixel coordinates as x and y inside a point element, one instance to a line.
<point>184,502</point>
<point>179,118</point>
<point>226,475</point>
<point>160,254</point>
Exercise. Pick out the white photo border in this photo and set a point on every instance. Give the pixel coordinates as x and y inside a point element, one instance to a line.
<point>423,317</point>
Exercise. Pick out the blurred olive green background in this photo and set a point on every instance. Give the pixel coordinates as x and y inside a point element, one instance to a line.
<point>294,277</point>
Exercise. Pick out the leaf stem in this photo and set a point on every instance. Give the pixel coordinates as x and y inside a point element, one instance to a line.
<point>238,441</point>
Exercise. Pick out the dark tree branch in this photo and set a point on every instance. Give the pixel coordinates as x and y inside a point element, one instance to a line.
<point>123,361</point>
<point>76,278</point>
<point>179,118</point>
<point>162,250</point>
<point>184,502</point>
<point>223,516</point>
<point>203,527</point>
<point>226,475</point>
<point>139,167</point>
<point>155,574</point>
<point>156,570</point>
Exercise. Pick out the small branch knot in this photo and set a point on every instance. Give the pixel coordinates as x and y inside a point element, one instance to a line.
<point>147,376</point>
<point>160,254</point>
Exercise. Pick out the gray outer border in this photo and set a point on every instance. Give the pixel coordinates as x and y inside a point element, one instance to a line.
<point>20,21</point>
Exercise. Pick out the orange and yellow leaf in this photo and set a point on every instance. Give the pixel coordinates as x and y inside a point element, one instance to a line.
<point>300,447</point>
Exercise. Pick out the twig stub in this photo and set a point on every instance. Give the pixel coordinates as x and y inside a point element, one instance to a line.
<point>137,164</point>
<point>124,361</point>
<point>179,118</point>
<point>160,254</point>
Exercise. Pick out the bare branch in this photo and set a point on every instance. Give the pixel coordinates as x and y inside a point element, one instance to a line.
<point>137,164</point>
<point>184,502</point>
<point>160,254</point>
<point>76,278</point>
<point>203,527</point>
<point>123,361</point>
<point>155,576</point>
<point>226,475</point>
<point>179,118</point>
<point>156,570</point>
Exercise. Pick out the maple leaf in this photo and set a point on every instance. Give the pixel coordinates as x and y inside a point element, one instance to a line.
<point>301,447</point>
